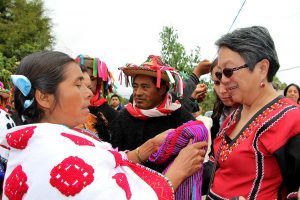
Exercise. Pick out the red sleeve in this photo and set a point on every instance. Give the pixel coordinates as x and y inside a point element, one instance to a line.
<point>281,130</point>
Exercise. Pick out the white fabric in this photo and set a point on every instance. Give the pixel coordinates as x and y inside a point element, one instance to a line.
<point>207,121</point>
<point>5,121</point>
<point>47,148</point>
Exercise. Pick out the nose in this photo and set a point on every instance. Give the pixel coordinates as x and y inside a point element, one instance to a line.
<point>224,81</point>
<point>138,91</point>
<point>222,88</point>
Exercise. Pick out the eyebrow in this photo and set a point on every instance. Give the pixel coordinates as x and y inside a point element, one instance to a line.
<point>79,78</point>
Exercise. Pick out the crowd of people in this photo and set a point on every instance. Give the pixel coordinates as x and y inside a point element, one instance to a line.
<point>63,115</point>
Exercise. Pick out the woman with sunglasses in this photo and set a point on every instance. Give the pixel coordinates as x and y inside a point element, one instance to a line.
<point>48,157</point>
<point>256,153</point>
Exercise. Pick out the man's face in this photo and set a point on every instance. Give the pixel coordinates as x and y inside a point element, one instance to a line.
<point>145,93</point>
<point>114,101</point>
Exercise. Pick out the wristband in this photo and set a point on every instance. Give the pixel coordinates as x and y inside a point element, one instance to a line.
<point>138,155</point>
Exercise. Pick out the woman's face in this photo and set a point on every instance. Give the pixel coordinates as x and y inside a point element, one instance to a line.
<point>243,84</point>
<point>292,93</point>
<point>220,90</point>
<point>72,98</point>
<point>93,80</point>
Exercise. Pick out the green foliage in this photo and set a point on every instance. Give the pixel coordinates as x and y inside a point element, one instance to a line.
<point>174,54</point>
<point>278,83</point>
<point>208,103</point>
<point>24,29</point>
<point>9,67</point>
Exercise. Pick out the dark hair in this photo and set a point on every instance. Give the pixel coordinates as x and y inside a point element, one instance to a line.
<point>45,70</point>
<point>253,44</point>
<point>218,104</point>
<point>287,87</point>
<point>83,69</point>
<point>115,95</point>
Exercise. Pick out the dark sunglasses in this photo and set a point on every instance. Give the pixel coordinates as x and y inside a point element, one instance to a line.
<point>228,72</point>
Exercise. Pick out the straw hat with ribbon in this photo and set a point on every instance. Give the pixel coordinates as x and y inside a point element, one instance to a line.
<point>155,67</point>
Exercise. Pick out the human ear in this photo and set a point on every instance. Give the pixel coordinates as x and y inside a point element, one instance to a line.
<point>44,100</point>
<point>264,68</point>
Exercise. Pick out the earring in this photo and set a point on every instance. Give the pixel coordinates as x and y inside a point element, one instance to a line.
<point>262,84</point>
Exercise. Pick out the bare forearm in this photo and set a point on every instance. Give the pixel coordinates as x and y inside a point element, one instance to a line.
<point>141,154</point>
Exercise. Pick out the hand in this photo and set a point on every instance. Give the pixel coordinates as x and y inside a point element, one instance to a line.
<point>202,68</point>
<point>200,92</point>
<point>188,161</point>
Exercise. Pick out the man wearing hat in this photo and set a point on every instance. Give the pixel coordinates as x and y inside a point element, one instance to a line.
<point>152,110</point>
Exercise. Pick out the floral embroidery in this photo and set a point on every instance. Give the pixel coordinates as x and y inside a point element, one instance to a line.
<point>122,182</point>
<point>226,149</point>
<point>71,176</point>
<point>19,139</point>
<point>78,140</point>
<point>15,184</point>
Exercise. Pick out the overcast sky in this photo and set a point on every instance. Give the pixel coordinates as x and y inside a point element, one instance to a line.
<point>120,32</point>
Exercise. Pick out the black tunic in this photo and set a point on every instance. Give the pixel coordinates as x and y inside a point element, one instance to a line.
<point>129,132</point>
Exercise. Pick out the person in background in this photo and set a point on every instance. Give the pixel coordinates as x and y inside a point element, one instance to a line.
<point>256,153</point>
<point>52,98</point>
<point>292,92</point>
<point>115,102</point>
<point>101,85</point>
<point>223,105</point>
<point>152,110</point>
<point>194,92</point>
<point>4,97</point>
<point>96,125</point>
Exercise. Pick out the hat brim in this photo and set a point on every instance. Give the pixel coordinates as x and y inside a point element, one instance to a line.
<point>132,71</point>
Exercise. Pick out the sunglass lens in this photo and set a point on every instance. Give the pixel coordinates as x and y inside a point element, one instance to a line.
<point>227,72</point>
<point>218,75</point>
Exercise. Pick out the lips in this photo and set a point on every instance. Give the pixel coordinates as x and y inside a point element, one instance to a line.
<point>225,98</point>
<point>139,100</point>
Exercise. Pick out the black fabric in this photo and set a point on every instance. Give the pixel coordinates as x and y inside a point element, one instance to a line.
<point>186,101</point>
<point>214,130</point>
<point>288,158</point>
<point>110,114</point>
<point>128,132</point>
<point>207,171</point>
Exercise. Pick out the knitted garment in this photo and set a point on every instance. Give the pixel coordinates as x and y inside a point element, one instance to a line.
<point>175,141</point>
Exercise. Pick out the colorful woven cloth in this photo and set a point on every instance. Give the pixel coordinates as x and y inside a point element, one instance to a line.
<point>175,141</point>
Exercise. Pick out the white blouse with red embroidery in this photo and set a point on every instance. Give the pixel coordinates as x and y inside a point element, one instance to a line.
<point>54,162</point>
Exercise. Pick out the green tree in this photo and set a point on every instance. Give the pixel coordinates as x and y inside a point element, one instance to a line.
<point>24,29</point>
<point>174,54</point>
<point>280,85</point>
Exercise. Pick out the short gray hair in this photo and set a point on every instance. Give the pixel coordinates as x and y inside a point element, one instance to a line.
<point>253,44</point>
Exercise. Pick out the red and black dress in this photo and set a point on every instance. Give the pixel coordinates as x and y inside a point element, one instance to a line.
<point>263,161</point>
